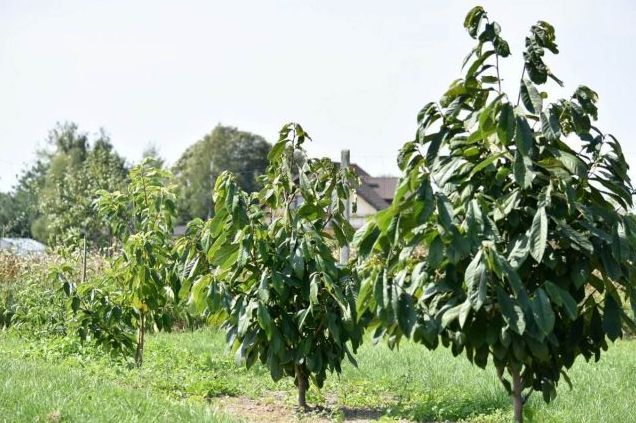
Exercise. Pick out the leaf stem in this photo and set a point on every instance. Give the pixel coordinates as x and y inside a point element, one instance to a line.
<point>523,72</point>
<point>497,67</point>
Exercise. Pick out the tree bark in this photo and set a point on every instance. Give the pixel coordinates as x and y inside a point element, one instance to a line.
<point>139,354</point>
<point>303,383</point>
<point>517,399</point>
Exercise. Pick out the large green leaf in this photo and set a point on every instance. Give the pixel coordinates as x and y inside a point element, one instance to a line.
<point>612,318</point>
<point>538,234</point>
<point>562,298</point>
<point>313,289</point>
<point>450,315</point>
<point>504,270</point>
<point>485,163</point>
<point>531,97</point>
<point>550,125</point>
<point>519,252</point>
<point>435,252</point>
<point>524,139</point>
<point>433,147</point>
<point>511,312</point>
<point>542,312</point>
<point>506,124</point>
<point>298,263</point>
<point>364,295</point>
<point>265,320</point>
<point>572,163</point>
<point>464,312</point>
<point>505,205</point>
<point>523,170</point>
<point>263,288</point>
<point>473,20</point>
<point>576,238</point>
<point>406,314</point>
<point>476,283</point>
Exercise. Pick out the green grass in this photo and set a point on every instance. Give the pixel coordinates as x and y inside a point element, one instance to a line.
<point>183,373</point>
<point>36,390</point>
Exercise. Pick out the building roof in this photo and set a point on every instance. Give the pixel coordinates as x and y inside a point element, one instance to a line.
<point>179,230</point>
<point>22,246</point>
<point>372,197</point>
<point>383,185</point>
<point>378,191</point>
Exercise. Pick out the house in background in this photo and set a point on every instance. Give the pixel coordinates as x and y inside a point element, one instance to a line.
<point>374,194</point>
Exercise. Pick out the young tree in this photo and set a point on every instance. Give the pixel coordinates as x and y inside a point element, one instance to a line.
<point>267,261</point>
<point>508,237</point>
<point>142,219</point>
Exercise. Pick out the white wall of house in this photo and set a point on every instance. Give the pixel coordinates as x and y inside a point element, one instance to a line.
<point>359,218</point>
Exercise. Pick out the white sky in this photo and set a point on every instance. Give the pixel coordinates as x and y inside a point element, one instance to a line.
<point>353,73</point>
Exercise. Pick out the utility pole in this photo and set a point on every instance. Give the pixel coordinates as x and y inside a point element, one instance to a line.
<point>212,183</point>
<point>344,163</point>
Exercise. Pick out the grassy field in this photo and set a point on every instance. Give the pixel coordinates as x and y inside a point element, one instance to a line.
<point>189,377</point>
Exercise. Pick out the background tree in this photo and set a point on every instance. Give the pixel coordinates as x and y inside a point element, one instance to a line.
<point>152,151</point>
<point>75,171</point>
<point>266,259</point>
<point>225,148</point>
<point>142,218</point>
<point>508,235</point>
<point>19,209</point>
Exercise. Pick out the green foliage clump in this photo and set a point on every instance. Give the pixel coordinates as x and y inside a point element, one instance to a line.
<point>44,297</point>
<point>509,236</point>
<point>30,300</point>
<point>75,171</point>
<point>53,199</point>
<point>266,260</point>
<point>19,208</point>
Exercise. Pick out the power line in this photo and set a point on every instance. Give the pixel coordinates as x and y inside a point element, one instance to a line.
<point>11,163</point>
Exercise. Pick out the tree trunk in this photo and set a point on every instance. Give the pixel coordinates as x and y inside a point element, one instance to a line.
<point>139,354</point>
<point>303,384</point>
<point>517,400</point>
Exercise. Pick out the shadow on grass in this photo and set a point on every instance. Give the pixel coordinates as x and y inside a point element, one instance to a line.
<point>361,413</point>
<point>447,408</point>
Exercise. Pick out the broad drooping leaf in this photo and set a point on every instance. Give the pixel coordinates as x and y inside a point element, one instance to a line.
<point>511,216</point>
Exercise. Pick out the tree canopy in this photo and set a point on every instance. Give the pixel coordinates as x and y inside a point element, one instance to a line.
<point>225,148</point>
<point>266,261</point>
<point>76,169</point>
<point>19,208</point>
<point>52,201</point>
<point>509,236</point>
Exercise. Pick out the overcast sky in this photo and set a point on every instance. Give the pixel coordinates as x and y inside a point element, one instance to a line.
<point>353,73</point>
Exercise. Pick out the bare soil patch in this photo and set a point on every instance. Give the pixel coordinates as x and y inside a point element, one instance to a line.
<point>272,410</point>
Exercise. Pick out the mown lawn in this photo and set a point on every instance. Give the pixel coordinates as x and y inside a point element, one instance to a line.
<point>184,375</point>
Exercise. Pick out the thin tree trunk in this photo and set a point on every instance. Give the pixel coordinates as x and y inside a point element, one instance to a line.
<point>303,384</point>
<point>139,355</point>
<point>84,262</point>
<point>517,400</point>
